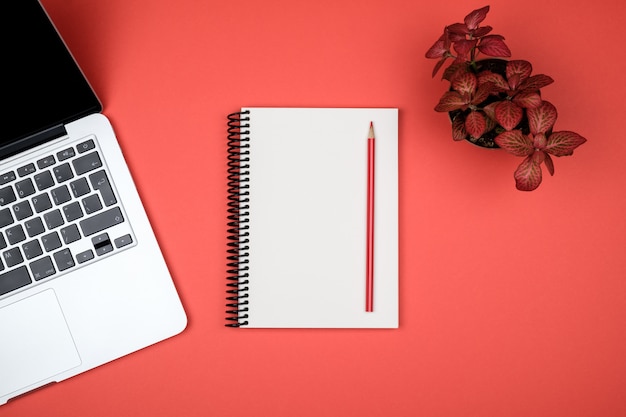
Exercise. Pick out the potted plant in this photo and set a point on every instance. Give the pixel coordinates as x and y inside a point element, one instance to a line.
<point>497,103</point>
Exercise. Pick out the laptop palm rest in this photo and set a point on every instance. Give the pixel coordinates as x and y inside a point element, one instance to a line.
<point>41,344</point>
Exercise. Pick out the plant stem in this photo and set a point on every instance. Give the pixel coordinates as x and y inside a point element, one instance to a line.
<point>472,52</point>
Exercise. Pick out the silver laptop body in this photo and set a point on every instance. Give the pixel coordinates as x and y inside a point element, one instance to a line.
<point>82,278</point>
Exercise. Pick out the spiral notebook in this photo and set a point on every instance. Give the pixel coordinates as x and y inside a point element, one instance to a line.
<point>297,218</point>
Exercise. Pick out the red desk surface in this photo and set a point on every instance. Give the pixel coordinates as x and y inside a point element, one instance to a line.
<point>511,303</point>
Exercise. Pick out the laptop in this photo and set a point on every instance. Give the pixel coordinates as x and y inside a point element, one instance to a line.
<point>82,278</point>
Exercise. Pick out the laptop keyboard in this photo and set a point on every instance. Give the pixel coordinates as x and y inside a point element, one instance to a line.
<point>58,213</point>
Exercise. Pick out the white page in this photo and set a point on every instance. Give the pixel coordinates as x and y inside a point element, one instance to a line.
<point>308,180</point>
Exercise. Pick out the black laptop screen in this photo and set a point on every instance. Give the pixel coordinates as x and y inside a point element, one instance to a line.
<point>42,87</point>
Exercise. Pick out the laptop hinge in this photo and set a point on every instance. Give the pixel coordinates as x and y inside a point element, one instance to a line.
<point>32,141</point>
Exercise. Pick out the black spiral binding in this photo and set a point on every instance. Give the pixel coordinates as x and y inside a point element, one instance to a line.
<point>238,206</point>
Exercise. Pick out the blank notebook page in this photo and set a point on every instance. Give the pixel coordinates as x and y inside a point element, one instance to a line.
<point>308,195</point>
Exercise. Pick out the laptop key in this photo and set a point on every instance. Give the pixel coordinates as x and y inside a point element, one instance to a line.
<point>70,234</point>
<point>101,221</point>
<point>102,244</point>
<point>32,249</point>
<point>44,180</point>
<point>100,182</point>
<point>87,163</point>
<point>51,241</point>
<point>122,241</point>
<point>34,227</point>
<point>72,211</point>
<point>92,204</point>
<point>61,195</point>
<point>12,280</point>
<point>64,259</point>
<point>22,210</point>
<point>25,188</point>
<point>46,162</point>
<point>42,268</point>
<point>25,170</point>
<point>80,187</point>
<point>15,234</point>
<point>84,256</point>
<point>41,203</point>
<point>7,177</point>
<point>85,146</point>
<point>6,196</point>
<point>63,173</point>
<point>12,257</point>
<point>53,219</point>
<point>5,217</point>
<point>65,154</point>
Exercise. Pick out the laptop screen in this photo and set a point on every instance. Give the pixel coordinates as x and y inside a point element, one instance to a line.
<point>41,85</point>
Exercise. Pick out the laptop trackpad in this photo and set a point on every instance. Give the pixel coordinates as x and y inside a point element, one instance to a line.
<point>36,342</point>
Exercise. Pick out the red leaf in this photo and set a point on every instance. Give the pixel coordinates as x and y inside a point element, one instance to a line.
<point>542,118</point>
<point>513,80</point>
<point>540,141</point>
<point>549,163</point>
<point>453,71</point>
<point>458,129</point>
<point>458,29</point>
<point>454,37</point>
<point>539,156</point>
<point>491,77</point>
<point>475,124</point>
<point>536,82</point>
<point>463,48</point>
<point>437,50</point>
<point>493,45</point>
<point>483,92</point>
<point>465,83</point>
<point>491,124</point>
<point>564,143</point>
<point>438,66</point>
<point>508,114</point>
<point>451,100</point>
<point>447,39</point>
<point>482,31</point>
<point>528,174</point>
<point>527,99</point>
<point>473,19</point>
<point>520,67</point>
<point>515,142</point>
<point>490,110</point>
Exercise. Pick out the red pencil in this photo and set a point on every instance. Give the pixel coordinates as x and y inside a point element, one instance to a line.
<point>369,286</point>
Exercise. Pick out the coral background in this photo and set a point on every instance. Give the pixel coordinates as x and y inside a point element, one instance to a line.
<point>511,303</point>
